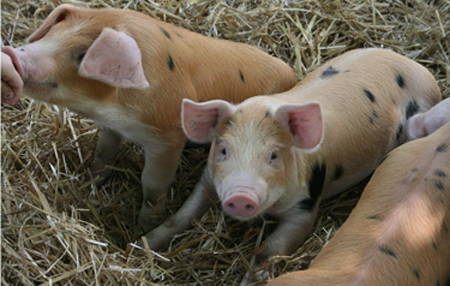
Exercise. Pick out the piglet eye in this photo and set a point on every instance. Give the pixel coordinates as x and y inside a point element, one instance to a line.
<point>273,156</point>
<point>223,151</point>
<point>79,54</point>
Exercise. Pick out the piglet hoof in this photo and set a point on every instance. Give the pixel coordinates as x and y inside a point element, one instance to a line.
<point>99,173</point>
<point>151,215</point>
<point>257,278</point>
<point>157,240</point>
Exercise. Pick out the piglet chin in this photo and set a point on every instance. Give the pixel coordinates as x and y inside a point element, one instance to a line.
<point>241,203</point>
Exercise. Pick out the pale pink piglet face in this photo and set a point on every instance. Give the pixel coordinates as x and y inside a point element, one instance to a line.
<point>252,154</point>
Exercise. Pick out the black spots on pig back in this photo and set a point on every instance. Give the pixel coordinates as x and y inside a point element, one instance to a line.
<point>442,148</point>
<point>387,250</point>
<point>369,95</point>
<point>439,173</point>
<point>165,33</point>
<point>400,81</point>
<point>411,108</point>
<point>317,181</point>
<point>241,76</point>
<point>170,63</point>
<point>398,134</point>
<point>375,217</point>
<point>329,72</point>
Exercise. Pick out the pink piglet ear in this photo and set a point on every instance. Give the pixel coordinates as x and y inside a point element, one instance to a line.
<point>114,58</point>
<point>199,120</point>
<point>59,14</point>
<point>416,126</point>
<point>304,121</point>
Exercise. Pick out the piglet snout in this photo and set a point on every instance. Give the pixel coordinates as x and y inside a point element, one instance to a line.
<point>13,54</point>
<point>242,204</point>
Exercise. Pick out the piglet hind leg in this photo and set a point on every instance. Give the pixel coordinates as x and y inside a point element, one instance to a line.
<point>292,229</point>
<point>108,144</point>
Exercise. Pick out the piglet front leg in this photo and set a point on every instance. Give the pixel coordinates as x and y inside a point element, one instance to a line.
<point>294,225</point>
<point>108,144</point>
<point>195,207</point>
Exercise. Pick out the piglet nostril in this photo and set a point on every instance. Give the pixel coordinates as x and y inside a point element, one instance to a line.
<point>249,207</point>
<point>231,206</point>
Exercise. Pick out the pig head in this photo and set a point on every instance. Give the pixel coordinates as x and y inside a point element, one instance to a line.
<point>129,73</point>
<point>247,169</point>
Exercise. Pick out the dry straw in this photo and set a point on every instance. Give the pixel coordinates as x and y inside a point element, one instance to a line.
<point>59,229</point>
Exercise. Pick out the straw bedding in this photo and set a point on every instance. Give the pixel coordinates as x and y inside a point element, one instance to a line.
<point>59,229</point>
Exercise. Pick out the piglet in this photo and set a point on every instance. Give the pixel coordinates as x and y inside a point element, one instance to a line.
<point>129,73</point>
<point>399,232</point>
<point>282,154</point>
<point>423,124</point>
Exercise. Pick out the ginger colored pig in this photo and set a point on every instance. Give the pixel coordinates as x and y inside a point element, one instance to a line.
<point>399,232</point>
<point>283,154</point>
<point>129,73</point>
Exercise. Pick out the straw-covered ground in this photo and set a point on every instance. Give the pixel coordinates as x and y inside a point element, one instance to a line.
<point>59,229</point>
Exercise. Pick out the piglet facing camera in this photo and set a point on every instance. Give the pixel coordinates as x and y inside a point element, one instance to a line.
<point>282,154</point>
<point>129,73</point>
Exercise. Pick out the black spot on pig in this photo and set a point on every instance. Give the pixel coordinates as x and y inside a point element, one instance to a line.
<point>442,148</point>
<point>411,108</point>
<point>433,244</point>
<point>307,204</point>
<point>386,250</point>
<point>399,132</point>
<point>416,274</point>
<point>241,75</point>
<point>440,173</point>
<point>400,81</point>
<point>369,95</point>
<point>338,171</point>
<point>375,217</point>
<point>170,62</point>
<point>439,185</point>
<point>317,181</point>
<point>165,33</point>
<point>444,227</point>
<point>329,72</point>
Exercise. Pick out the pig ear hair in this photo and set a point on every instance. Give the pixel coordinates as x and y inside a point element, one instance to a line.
<point>304,121</point>
<point>114,58</point>
<point>199,120</point>
<point>56,16</point>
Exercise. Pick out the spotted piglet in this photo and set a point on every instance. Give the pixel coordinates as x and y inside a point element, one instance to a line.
<point>399,232</point>
<point>129,73</point>
<point>283,154</point>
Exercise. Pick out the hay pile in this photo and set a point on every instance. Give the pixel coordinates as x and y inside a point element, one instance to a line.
<point>59,229</point>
